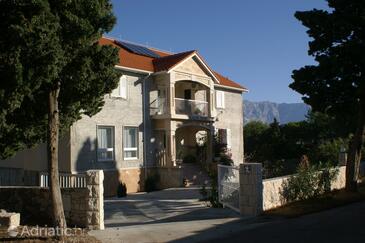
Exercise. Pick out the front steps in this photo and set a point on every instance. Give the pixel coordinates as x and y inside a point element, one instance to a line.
<point>194,175</point>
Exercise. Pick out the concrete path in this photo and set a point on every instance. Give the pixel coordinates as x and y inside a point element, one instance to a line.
<point>160,216</point>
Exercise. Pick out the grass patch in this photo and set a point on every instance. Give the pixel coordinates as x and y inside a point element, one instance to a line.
<point>327,201</point>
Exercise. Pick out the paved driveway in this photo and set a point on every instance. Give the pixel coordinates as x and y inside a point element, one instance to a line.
<point>338,225</point>
<point>159,216</point>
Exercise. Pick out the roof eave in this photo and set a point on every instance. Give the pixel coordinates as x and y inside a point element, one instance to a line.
<point>244,90</point>
<point>133,70</point>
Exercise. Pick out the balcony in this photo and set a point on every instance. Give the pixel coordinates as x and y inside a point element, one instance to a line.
<point>158,107</point>
<point>191,107</point>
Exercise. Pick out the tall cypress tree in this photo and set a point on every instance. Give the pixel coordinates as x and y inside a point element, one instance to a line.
<point>52,71</point>
<point>336,85</point>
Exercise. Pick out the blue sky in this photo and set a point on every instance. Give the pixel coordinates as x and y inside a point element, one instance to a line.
<point>254,42</point>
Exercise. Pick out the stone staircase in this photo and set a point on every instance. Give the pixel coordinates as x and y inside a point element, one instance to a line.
<point>195,175</point>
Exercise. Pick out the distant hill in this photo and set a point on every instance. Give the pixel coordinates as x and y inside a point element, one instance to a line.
<point>266,111</point>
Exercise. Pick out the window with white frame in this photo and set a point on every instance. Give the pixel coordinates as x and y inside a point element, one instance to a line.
<point>121,90</point>
<point>130,143</point>
<point>105,137</point>
<point>219,99</point>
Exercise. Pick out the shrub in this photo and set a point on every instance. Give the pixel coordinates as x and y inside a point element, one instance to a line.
<point>309,182</point>
<point>213,196</point>
<point>219,150</point>
<point>122,190</point>
<point>204,192</point>
<point>328,151</point>
<point>151,183</point>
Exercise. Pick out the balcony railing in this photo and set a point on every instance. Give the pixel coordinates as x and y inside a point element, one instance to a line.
<point>65,180</point>
<point>158,106</point>
<point>191,107</point>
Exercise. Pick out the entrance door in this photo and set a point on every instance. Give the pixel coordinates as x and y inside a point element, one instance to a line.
<point>187,94</point>
<point>187,104</point>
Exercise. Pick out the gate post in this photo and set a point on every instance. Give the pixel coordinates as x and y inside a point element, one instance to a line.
<point>250,199</point>
<point>95,201</point>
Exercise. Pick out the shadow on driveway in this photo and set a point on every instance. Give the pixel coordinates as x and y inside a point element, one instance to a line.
<point>166,206</point>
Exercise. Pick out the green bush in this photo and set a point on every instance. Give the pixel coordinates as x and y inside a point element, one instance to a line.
<point>151,183</point>
<point>122,190</point>
<point>204,192</point>
<point>309,182</point>
<point>213,196</point>
<point>328,151</point>
<point>219,150</point>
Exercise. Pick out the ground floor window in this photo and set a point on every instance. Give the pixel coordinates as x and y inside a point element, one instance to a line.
<point>130,143</point>
<point>105,137</point>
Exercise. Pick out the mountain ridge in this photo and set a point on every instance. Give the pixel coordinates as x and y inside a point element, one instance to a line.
<point>267,111</point>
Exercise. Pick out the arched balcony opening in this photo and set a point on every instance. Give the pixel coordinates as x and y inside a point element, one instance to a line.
<point>192,99</point>
<point>193,144</point>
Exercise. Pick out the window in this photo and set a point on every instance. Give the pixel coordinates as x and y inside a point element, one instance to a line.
<point>105,136</point>
<point>219,98</point>
<point>130,143</point>
<point>224,136</point>
<point>121,90</point>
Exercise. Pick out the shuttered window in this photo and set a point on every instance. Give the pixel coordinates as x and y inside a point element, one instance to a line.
<point>121,90</point>
<point>219,99</point>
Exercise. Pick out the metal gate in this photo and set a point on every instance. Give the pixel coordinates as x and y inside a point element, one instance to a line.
<point>229,186</point>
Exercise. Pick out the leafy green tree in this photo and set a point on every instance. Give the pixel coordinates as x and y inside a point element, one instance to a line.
<point>252,136</point>
<point>53,71</point>
<point>328,151</point>
<point>272,147</point>
<point>336,85</point>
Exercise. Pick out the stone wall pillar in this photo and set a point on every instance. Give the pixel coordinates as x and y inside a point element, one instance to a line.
<point>250,200</point>
<point>95,204</point>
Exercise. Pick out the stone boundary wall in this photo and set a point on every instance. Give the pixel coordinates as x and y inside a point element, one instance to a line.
<point>84,207</point>
<point>258,195</point>
<point>272,188</point>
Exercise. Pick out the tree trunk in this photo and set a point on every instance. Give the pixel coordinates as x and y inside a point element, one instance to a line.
<point>355,146</point>
<point>53,133</point>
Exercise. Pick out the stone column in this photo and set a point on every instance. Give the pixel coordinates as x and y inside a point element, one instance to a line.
<point>250,199</point>
<point>95,205</point>
<point>210,144</point>
<point>172,148</point>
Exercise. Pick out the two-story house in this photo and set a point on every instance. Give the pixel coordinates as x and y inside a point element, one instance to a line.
<point>164,112</point>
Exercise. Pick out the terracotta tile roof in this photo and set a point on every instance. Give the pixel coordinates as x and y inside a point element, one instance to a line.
<point>165,62</point>
<point>129,59</point>
<point>227,82</point>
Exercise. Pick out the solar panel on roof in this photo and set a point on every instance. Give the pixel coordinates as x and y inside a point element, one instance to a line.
<point>141,50</point>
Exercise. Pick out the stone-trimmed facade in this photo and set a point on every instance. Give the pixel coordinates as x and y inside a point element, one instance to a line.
<point>168,104</point>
